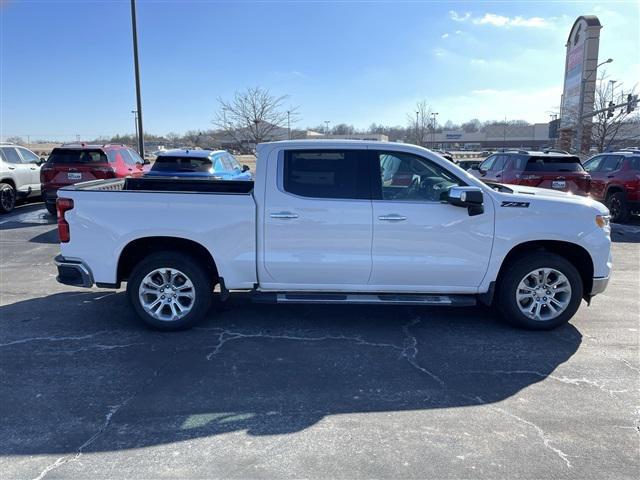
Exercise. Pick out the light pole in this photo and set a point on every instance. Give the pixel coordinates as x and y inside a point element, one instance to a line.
<point>433,128</point>
<point>289,124</point>
<point>326,128</point>
<point>583,83</point>
<point>417,139</point>
<point>137,73</point>
<point>135,124</point>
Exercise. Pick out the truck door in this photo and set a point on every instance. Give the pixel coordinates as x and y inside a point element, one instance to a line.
<point>421,244</point>
<point>317,220</point>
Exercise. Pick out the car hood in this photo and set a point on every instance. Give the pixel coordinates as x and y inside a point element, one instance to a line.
<point>523,194</point>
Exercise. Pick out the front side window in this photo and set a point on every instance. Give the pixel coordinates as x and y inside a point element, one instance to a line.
<point>136,158</point>
<point>28,156</point>
<point>411,178</point>
<point>10,155</point>
<point>327,174</point>
<point>593,164</point>
<point>499,164</point>
<point>488,163</point>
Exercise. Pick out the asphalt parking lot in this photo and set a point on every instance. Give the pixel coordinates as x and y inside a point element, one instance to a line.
<point>264,391</point>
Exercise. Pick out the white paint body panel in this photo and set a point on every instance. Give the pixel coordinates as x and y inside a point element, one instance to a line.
<point>335,245</point>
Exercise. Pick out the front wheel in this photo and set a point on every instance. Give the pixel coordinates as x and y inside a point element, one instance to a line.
<point>618,207</point>
<point>539,291</point>
<point>170,291</point>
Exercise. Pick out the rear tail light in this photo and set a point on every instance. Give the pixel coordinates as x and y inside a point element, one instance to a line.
<point>46,173</point>
<point>103,172</point>
<point>63,205</point>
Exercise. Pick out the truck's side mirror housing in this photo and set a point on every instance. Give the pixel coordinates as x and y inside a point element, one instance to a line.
<point>470,197</point>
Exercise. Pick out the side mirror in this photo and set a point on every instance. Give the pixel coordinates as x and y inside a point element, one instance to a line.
<point>245,168</point>
<point>42,161</point>
<point>146,161</point>
<point>469,197</point>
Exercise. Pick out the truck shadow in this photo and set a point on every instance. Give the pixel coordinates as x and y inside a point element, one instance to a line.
<point>81,374</point>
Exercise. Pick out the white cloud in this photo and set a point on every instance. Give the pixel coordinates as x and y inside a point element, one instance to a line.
<point>459,18</point>
<point>444,35</point>
<point>501,20</point>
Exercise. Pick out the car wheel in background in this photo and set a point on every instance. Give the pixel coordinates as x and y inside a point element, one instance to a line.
<point>7,197</point>
<point>51,208</point>
<point>618,207</point>
<point>170,290</point>
<point>539,291</point>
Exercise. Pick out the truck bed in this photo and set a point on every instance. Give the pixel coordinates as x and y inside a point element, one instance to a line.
<point>167,185</point>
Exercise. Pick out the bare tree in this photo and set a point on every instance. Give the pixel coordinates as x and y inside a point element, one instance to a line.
<point>606,129</point>
<point>174,138</point>
<point>343,129</point>
<point>254,115</point>
<point>420,123</point>
<point>16,140</point>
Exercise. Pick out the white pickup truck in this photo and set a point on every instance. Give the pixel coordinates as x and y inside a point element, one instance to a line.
<point>336,222</point>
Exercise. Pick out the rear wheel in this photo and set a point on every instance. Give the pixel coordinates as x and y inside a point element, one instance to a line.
<point>539,291</point>
<point>618,207</point>
<point>51,208</point>
<point>170,290</point>
<point>7,197</point>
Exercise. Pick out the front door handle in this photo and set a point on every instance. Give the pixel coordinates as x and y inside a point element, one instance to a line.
<point>392,217</point>
<point>284,215</point>
<point>11,168</point>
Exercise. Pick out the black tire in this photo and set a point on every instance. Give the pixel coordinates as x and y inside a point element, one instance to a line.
<point>516,271</point>
<point>199,276</point>
<point>7,197</point>
<point>51,208</point>
<point>618,207</point>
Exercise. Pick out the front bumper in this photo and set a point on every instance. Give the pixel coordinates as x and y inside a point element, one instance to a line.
<point>73,272</point>
<point>599,285</point>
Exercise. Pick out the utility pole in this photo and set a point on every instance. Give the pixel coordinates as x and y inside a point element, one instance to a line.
<point>289,124</point>
<point>135,125</point>
<point>583,83</point>
<point>326,128</point>
<point>137,73</point>
<point>504,133</point>
<point>433,128</point>
<point>417,139</point>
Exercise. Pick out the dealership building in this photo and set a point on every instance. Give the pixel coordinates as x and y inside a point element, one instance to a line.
<point>495,136</point>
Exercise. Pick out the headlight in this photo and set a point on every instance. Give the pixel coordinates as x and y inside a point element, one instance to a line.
<point>603,221</point>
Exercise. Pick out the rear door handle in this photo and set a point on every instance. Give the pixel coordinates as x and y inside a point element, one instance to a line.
<point>284,215</point>
<point>392,217</point>
<point>11,168</point>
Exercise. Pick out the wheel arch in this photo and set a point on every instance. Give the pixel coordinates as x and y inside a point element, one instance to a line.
<point>574,253</point>
<point>615,188</point>
<point>138,249</point>
<point>10,181</point>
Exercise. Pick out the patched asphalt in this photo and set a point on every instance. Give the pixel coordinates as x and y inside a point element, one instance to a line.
<point>285,391</point>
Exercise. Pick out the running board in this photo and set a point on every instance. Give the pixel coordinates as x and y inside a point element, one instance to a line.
<point>365,299</point>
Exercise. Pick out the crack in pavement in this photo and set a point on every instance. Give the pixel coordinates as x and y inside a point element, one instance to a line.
<point>113,410</point>
<point>53,339</point>
<point>541,433</point>
<point>562,379</point>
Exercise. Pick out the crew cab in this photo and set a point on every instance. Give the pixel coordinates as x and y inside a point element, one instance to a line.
<point>549,169</point>
<point>615,180</point>
<point>336,222</point>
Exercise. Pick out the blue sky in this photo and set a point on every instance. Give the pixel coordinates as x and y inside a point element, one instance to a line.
<point>67,68</point>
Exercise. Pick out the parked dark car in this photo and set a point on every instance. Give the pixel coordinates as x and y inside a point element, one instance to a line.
<point>615,181</point>
<point>215,164</point>
<point>551,170</point>
<point>74,163</point>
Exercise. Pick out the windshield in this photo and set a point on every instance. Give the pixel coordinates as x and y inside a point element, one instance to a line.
<point>554,164</point>
<point>182,164</point>
<point>70,155</point>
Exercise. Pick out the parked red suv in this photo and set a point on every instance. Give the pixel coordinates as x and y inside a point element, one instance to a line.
<point>615,181</point>
<point>75,163</point>
<point>556,171</point>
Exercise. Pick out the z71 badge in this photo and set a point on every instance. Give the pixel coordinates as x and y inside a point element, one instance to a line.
<point>515,204</point>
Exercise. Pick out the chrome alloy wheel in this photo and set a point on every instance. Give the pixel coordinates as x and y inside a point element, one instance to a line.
<point>167,294</point>
<point>543,294</point>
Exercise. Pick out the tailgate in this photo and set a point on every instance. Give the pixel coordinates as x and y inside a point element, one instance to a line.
<point>563,173</point>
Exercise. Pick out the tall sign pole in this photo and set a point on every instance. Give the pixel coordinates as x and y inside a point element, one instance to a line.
<point>137,71</point>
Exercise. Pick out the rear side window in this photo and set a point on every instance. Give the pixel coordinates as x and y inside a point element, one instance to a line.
<point>611,163</point>
<point>10,154</point>
<point>593,164</point>
<point>554,164</point>
<point>634,163</point>
<point>327,174</point>
<point>63,155</point>
<point>181,164</point>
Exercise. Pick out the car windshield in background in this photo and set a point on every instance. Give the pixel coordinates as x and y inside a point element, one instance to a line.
<point>554,164</point>
<point>181,164</point>
<point>61,155</point>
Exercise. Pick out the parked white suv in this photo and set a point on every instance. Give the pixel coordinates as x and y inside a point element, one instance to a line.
<point>337,222</point>
<point>19,175</point>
